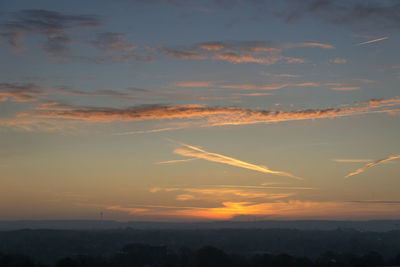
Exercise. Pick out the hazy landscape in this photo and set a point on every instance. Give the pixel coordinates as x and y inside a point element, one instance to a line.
<point>194,245</point>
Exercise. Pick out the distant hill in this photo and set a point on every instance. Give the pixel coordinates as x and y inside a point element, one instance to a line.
<point>373,225</point>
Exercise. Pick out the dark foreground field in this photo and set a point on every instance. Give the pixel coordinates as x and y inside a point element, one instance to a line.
<point>199,247</point>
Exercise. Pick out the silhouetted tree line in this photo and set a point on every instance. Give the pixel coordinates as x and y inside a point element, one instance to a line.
<point>140,255</point>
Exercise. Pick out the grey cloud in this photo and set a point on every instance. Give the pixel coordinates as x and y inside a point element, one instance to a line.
<point>112,42</point>
<point>377,14</point>
<point>19,92</point>
<point>51,24</point>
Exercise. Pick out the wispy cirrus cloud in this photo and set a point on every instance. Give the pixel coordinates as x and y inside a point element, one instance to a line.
<point>195,84</point>
<point>281,75</point>
<point>244,86</point>
<point>372,164</point>
<point>197,152</point>
<point>220,193</point>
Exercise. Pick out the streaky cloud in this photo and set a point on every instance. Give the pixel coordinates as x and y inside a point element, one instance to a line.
<point>372,164</point>
<point>175,161</point>
<point>197,152</point>
<point>352,160</point>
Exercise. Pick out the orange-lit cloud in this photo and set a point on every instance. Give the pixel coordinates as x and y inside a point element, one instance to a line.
<point>184,197</point>
<point>259,52</point>
<point>372,164</point>
<point>295,60</point>
<point>291,209</point>
<point>312,44</point>
<point>224,192</point>
<point>203,116</point>
<point>338,60</point>
<point>251,94</point>
<point>238,58</point>
<point>213,46</point>
<point>197,152</point>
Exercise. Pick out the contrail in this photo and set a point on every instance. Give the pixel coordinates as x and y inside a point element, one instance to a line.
<point>372,164</point>
<point>352,160</point>
<point>197,152</point>
<point>175,161</point>
<point>373,41</point>
<point>150,131</point>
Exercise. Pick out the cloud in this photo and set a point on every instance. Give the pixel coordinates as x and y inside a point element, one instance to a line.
<point>197,152</point>
<point>242,86</point>
<point>236,52</point>
<point>184,197</point>
<point>21,92</point>
<point>222,193</point>
<point>376,14</point>
<point>235,58</point>
<point>372,164</point>
<point>209,116</point>
<point>373,14</point>
<point>100,92</point>
<point>311,44</point>
<point>57,45</point>
<point>165,129</point>
<point>57,29</point>
<point>51,24</point>
<point>182,54</point>
<point>112,42</point>
<point>253,86</point>
<point>373,41</point>
<point>290,209</point>
<point>338,61</point>
<point>213,46</point>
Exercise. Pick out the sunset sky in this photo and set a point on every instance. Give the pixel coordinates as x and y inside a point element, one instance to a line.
<point>192,110</point>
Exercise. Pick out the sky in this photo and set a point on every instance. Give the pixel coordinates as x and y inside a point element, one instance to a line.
<point>184,110</point>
